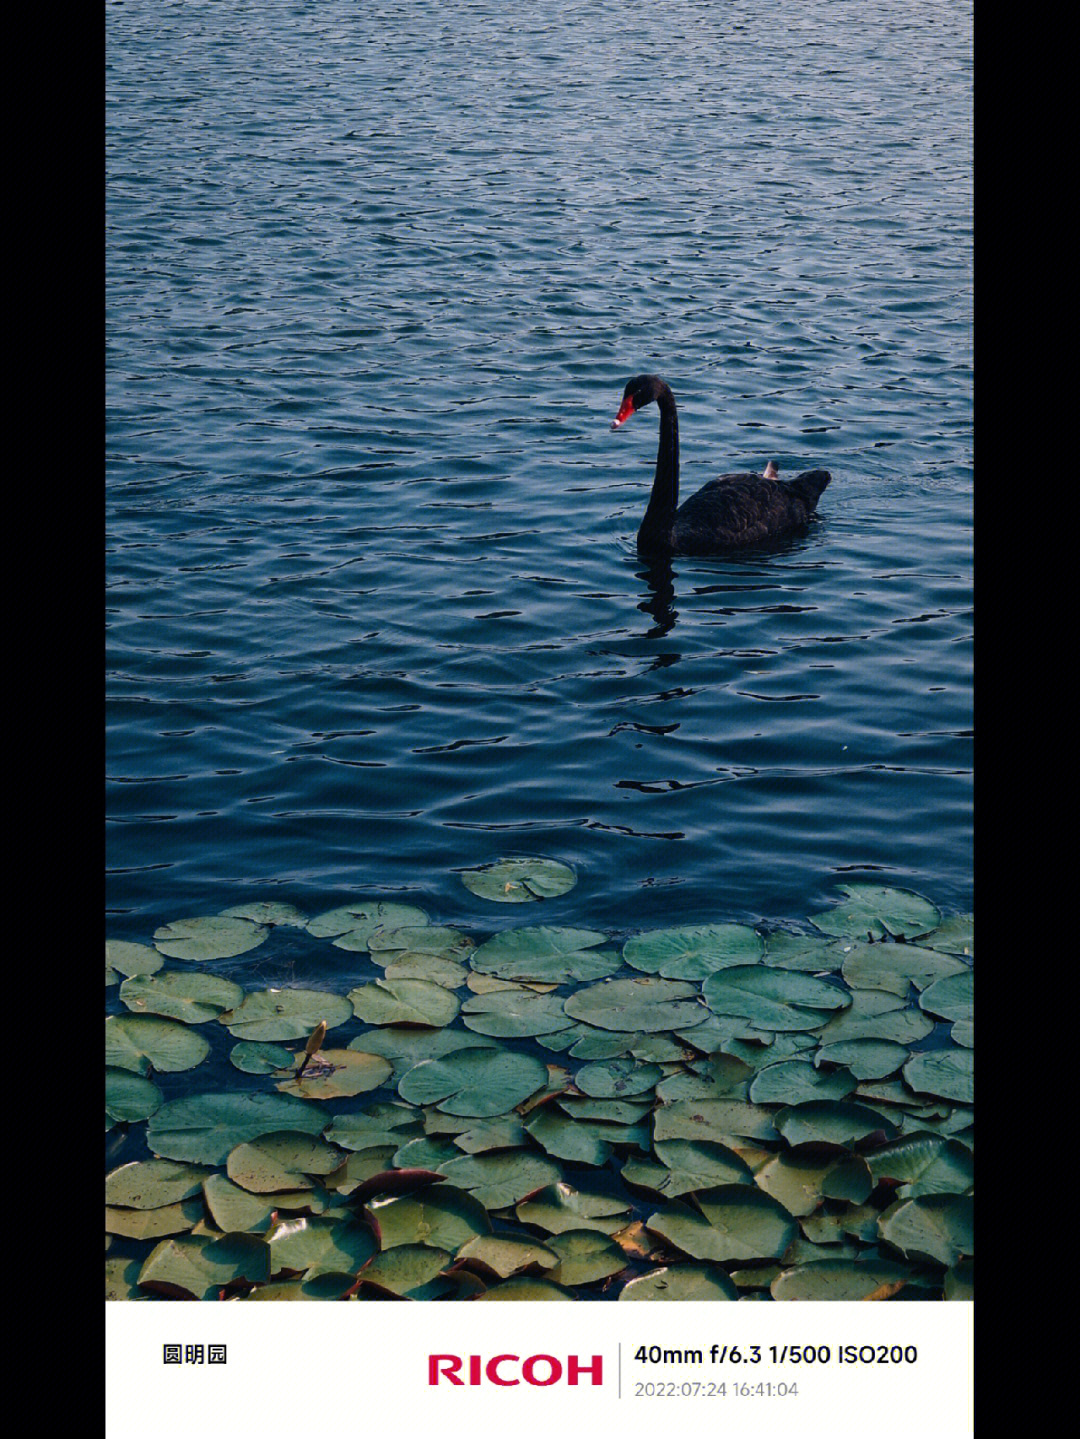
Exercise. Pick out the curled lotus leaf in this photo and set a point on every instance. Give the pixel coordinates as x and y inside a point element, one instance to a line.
<point>441,1216</point>
<point>949,1073</point>
<point>500,1179</point>
<point>129,1096</point>
<point>646,1005</point>
<point>140,1042</point>
<point>877,911</point>
<point>198,1266</point>
<point>187,995</point>
<point>128,958</point>
<point>209,936</point>
<point>338,1074</point>
<point>935,1228</point>
<point>405,1001</point>
<point>693,951</point>
<point>734,1221</point>
<point>518,881</point>
<point>364,917</point>
<point>269,911</point>
<point>151,1183</point>
<point>479,1082</point>
<point>203,1128</point>
<point>894,967</point>
<point>514,1013</point>
<point>843,1279</point>
<point>682,1281</point>
<point>276,1014</point>
<point>952,997</point>
<point>773,999</point>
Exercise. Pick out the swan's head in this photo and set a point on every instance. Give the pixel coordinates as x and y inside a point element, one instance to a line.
<point>771,471</point>
<point>641,390</point>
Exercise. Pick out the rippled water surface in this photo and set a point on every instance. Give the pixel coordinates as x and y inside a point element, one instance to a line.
<point>377,275</point>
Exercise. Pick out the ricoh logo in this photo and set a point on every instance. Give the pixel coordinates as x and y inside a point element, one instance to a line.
<point>539,1370</point>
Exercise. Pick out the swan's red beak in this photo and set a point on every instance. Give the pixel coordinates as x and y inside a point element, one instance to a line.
<point>626,409</point>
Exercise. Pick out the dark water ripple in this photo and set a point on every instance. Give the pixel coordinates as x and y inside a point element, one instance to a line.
<point>376,277</point>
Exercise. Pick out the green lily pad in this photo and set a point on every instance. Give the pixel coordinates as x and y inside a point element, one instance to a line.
<point>578,1142</point>
<point>617,1078</point>
<point>843,1279</point>
<point>478,1082</point>
<point>252,1056</point>
<point>152,1183</point>
<point>585,1256</point>
<point>875,1014</point>
<point>276,1014</point>
<point>795,1181</point>
<point>925,1164</point>
<point>811,953</point>
<point>963,1033</point>
<point>407,1270</point>
<point>796,1081</point>
<point>952,997</point>
<point>434,939</point>
<point>177,1218</point>
<point>864,1058</point>
<point>198,1266</point>
<point>270,912</point>
<point>338,1074</point>
<point>235,1210</point>
<point>956,935</point>
<point>518,881</point>
<point>773,999</point>
<point>871,909</point>
<point>500,1180</point>
<point>645,1004</point>
<point>378,1125</point>
<point>430,967</point>
<point>719,1120</point>
<point>934,1227</point>
<point>440,1216</point>
<point>186,995</point>
<point>949,1073</point>
<point>121,1279</point>
<point>734,1221</point>
<point>405,1047</point>
<point>894,967</point>
<point>560,1207</point>
<point>203,1128</point>
<point>693,951</point>
<point>127,958</point>
<point>140,1042</point>
<point>514,1013</point>
<point>211,936</point>
<point>506,1254</point>
<point>362,918</point>
<point>687,1165</point>
<point>306,1243</point>
<point>404,1001</point>
<point>281,1160</point>
<point>825,1122</point>
<point>960,1281</point>
<point>681,1282</point>
<point>130,1097</point>
<point>527,1289</point>
<point>543,955</point>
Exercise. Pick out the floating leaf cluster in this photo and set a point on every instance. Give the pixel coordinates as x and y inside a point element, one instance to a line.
<point>706,1111</point>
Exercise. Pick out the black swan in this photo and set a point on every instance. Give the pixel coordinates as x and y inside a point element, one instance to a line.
<point>727,513</point>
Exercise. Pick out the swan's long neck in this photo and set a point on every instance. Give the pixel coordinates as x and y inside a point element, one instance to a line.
<point>664,500</point>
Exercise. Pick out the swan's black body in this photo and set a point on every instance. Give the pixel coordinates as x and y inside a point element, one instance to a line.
<point>727,513</point>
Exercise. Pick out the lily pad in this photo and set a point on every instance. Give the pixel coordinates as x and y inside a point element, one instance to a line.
<point>270,912</point>
<point>956,935</point>
<point>441,1216</point>
<point>950,998</point>
<point>128,958</point>
<point>823,1122</point>
<point>811,953</point>
<point>199,1266</point>
<point>431,967</point>
<point>276,1014</point>
<point>434,939</point>
<point>544,955</point>
<point>518,881</point>
<point>864,1058</point>
<point>949,1073</point>
<point>796,1081</point>
<point>894,967</point>
<point>693,951</point>
<point>506,1254</point>
<point>378,1125</point>
<point>687,1165</point>
<point>235,1210</point>
<point>151,1183</point>
<point>317,1242</point>
<point>281,1160</point>
<point>735,1221</point>
<point>186,995</point>
<point>203,1128</point>
<point>177,1218</point>
<point>407,1270</point>
<point>478,1082</point>
<point>585,1256</point>
<point>843,1279</point>
<point>617,1078</point>
<point>514,1013</point>
<point>721,1120</point>
<point>500,1180</point>
<point>924,1164</point>
<point>338,1074</point>
<point>773,999</point>
<point>140,1042</point>
<point>527,1289</point>
<point>130,1097</point>
<point>404,1047</point>
<point>211,936</point>
<point>682,1282</point>
<point>644,1005</point>
<point>875,1014</point>
<point>252,1056</point>
<point>874,910</point>
<point>560,1207</point>
<point>935,1227</point>
<point>362,918</point>
<point>404,1001</point>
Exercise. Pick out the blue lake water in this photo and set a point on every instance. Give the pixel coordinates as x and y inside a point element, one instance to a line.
<point>376,277</point>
